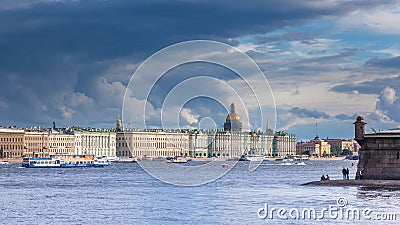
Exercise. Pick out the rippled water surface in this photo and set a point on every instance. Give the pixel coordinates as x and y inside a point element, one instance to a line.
<point>125,194</point>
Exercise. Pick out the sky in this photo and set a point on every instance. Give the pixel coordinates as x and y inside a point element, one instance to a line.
<point>325,63</point>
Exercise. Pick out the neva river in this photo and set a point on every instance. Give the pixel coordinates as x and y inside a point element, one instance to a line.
<point>125,194</point>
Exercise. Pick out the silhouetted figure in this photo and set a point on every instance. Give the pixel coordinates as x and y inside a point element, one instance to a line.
<point>323,177</point>
<point>344,173</point>
<point>362,174</point>
<point>327,177</point>
<point>347,173</point>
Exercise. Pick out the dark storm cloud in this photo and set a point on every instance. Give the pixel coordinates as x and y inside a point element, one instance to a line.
<point>55,56</point>
<point>367,87</point>
<point>308,113</point>
<point>384,63</point>
<point>346,117</point>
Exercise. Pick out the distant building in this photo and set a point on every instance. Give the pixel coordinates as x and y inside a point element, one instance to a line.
<point>338,145</point>
<point>61,144</point>
<point>94,142</point>
<point>284,144</point>
<point>36,144</point>
<point>152,144</point>
<point>11,143</point>
<point>260,143</point>
<point>230,143</point>
<point>310,148</point>
<point>315,147</point>
<point>227,144</point>
<point>198,144</point>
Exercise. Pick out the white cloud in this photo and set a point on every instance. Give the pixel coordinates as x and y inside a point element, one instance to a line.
<point>78,100</point>
<point>381,20</point>
<point>393,52</point>
<point>388,96</point>
<point>110,93</point>
<point>388,106</point>
<point>188,116</point>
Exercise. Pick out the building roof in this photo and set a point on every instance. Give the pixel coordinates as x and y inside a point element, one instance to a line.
<point>393,133</point>
<point>8,130</point>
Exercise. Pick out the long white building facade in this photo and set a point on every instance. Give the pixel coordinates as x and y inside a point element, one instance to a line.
<point>152,143</point>
<point>94,142</point>
<point>228,143</point>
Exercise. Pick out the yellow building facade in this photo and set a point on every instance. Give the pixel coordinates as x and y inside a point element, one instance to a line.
<point>11,143</point>
<point>61,144</point>
<point>36,144</point>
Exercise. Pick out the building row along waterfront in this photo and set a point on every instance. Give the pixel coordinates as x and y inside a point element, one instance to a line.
<point>231,142</point>
<point>323,147</point>
<point>17,143</point>
<point>203,143</point>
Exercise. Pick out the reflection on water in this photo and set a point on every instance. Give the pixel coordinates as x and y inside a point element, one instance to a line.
<point>378,192</point>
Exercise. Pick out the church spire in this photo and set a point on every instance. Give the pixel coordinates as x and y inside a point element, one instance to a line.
<point>232,108</point>
<point>118,123</point>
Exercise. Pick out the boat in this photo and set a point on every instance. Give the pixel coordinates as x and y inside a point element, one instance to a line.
<point>4,162</point>
<point>352,157</point>
<point>67,162</point>
<point>41,162</point>
<point>254,158</point>
<point>301,157</point>
<point>111,158</point>
<point>79,161</point>
<point>101,162</point>
<point>226,166</point>
<point>126,160</point>
<point>177,159</point>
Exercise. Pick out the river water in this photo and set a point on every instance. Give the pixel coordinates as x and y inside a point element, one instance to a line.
<point>126,194</point>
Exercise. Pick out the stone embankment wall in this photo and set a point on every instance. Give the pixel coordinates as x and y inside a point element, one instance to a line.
<point>379,158</point>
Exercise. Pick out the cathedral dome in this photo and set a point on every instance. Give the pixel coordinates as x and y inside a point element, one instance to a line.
<point>233,123</point>
<point>234,115</point>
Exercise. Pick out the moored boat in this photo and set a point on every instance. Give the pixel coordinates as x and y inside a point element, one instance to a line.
<point>4,162</point>
<point>177,159</point>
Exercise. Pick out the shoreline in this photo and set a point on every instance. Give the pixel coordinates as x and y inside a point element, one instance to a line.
<point>11,160</point>
<point>210,159</point>
<point>357,183</point>
<point>327,159</point>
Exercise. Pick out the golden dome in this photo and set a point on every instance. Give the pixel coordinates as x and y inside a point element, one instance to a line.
<point>118,121</point>
<point>234,115</point>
